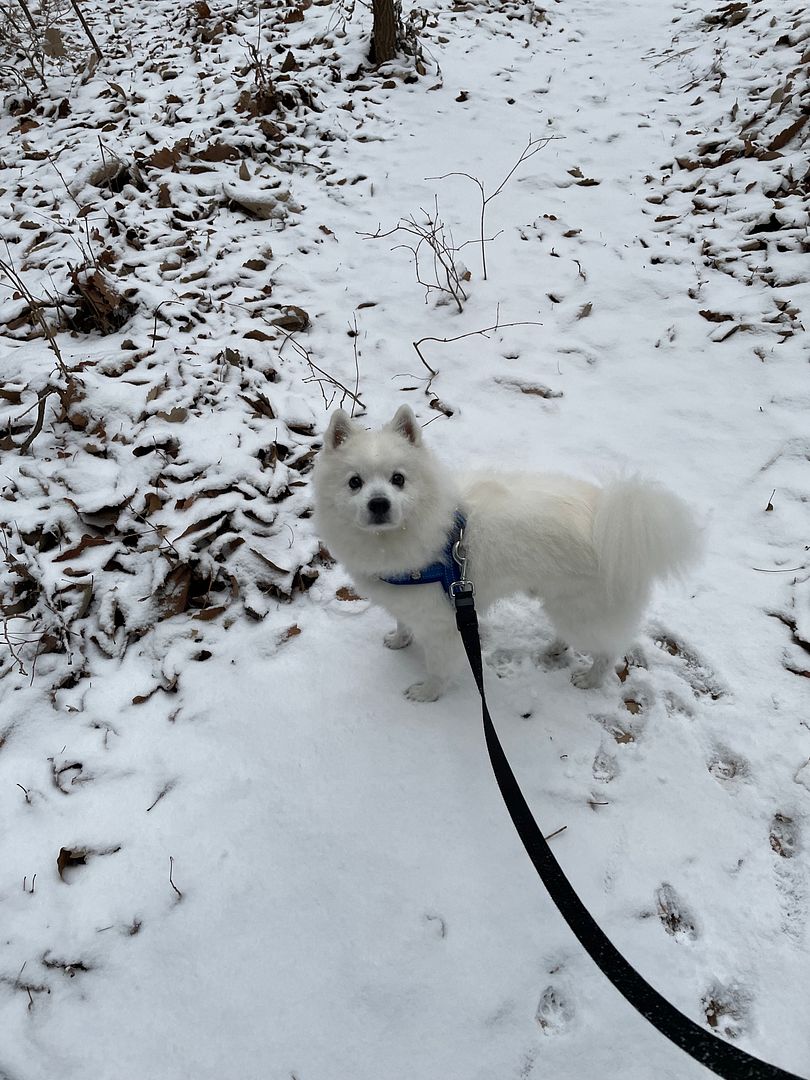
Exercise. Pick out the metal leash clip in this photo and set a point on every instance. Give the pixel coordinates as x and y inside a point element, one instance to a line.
<point>461,585</point>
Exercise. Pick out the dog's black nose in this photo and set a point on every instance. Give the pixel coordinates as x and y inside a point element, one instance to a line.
<point>378,507</point>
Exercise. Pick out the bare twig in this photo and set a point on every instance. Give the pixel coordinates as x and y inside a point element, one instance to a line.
<point>35,306</point>
<point>24,39</point>
<point>28,16</point>
<point>154,528</point>
<point>86,28</point>
<point>325,376</point>
<point>531,148</point>
<point>497,325</point>
<point>672,56</point>
<point>107,172</point>
<point>40,419</point>
<point>52,161</point>
<point>171,880</point>
<point>787,570</point>
<point>12,647</point>
<point>157,309</point>
<point>447,275</point>
<point>356,364</point>
<point>164,791</point>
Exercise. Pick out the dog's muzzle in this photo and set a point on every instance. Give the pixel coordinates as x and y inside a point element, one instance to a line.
<point>379,510</point>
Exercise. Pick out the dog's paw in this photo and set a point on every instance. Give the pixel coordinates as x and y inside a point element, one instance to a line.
<point>593,676</point>
<point>397,639</point>
<point>589,678</point>
<point>429,690</point>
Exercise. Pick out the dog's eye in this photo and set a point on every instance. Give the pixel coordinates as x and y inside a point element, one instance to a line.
<point>355,483</point>
<point>398,480</point>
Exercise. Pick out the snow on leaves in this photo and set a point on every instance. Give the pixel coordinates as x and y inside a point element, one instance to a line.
<point>738,185</point>
<point>146,502</point>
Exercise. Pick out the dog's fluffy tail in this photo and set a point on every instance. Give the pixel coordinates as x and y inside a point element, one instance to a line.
<point>642,532</point>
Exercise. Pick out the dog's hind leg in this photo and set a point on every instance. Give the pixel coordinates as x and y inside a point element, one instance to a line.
<point>591,677</point>
<point>596,626</point>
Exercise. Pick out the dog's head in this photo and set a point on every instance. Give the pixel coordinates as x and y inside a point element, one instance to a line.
<point>372,480</point>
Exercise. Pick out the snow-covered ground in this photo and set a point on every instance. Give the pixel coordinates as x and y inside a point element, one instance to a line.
<point>229,846</point>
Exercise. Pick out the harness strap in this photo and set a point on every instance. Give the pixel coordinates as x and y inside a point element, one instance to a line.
<point>443,570</point>
<point>722,1058</point>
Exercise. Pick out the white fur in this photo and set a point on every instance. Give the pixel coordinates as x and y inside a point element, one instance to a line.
<point>590,554</point>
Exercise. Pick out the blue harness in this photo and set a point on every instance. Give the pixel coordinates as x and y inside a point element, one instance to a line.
<point>446,570</point>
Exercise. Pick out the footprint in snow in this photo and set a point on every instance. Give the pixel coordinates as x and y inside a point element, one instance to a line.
<point>504,662</point>
<point>784,835</point>
<point>727,1008</point>
<point>675,705</point>
<point>726,766</point>
<point>627,724</point>
<point>605,767</point>
<point>791,877</point>
<point>674,914</point>
<point>554,1011</point>
<point>555,655</point>
<point>698,674</point>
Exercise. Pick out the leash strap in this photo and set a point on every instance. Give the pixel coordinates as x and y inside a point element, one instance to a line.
<point>722,1058</point>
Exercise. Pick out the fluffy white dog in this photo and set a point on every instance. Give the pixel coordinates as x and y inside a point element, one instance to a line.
<point>387,509</point>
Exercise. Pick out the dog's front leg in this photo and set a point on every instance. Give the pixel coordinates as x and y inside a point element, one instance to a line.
<point>399,638</point>
<point>429,690</point>
<point>443,656</point>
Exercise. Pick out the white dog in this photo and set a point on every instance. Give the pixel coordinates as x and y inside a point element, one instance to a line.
<point>388,510</point>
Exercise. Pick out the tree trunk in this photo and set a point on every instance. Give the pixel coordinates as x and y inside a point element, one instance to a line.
<point>384,32</point>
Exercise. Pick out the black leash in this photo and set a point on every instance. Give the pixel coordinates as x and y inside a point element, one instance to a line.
<point>723,1059</point>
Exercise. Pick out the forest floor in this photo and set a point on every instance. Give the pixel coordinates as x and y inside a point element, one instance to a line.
<point>229,846</point>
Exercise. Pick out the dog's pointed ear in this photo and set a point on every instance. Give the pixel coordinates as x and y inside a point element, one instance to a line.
<point>406,425</point>
<point>340,428</point>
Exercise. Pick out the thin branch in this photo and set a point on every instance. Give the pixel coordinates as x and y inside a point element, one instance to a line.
<point>532,147</point>
<point>11,648</point>
<point>446,276</point>
<point>157,309</point>
<point>498,325</point>
<point>29,43</point>
<point>52,162</point>
<point>154,528</point>
<point>87,30</point>
<point>165,791</point>
<point>40,419</point>
<point>787,570</point>
<point>35,305</point>
<point>28,16</point>
<point>356,364</point>
<point>171,880</point>
<point>326,376</point>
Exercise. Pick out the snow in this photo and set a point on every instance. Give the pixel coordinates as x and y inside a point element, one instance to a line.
<point>197,694</point>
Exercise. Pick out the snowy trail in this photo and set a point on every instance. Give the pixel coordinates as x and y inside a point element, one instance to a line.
<point>354,901</point>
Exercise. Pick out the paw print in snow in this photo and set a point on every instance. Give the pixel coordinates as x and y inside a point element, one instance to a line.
<point>554,1011</point>
<point>675,916</point>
